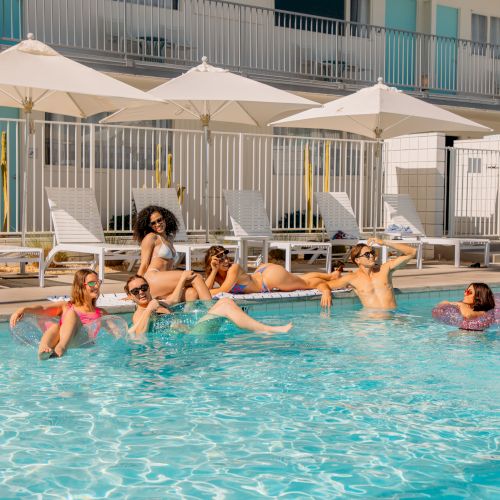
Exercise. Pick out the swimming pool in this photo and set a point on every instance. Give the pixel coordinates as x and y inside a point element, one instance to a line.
<point>341,406</point>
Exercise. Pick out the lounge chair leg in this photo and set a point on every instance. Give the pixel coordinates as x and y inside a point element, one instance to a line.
<point>487,254</point>
<point>188,260</point>
<point>457,254</point>
<point>288,259</point>
<point>100,255</point>
<point>41,271</point>
<point>329,259</point>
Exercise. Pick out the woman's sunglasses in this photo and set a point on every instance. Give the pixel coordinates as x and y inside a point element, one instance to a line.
<point>222,254</point>
<point>93,284</point>
<point>369,254</point>
<point>468,291</point>
<point>136,291</point>
<point>156,222</point>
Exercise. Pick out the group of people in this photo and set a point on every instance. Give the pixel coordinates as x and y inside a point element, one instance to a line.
<point>158,286</point>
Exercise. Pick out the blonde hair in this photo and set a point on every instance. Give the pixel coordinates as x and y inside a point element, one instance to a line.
<point>78,288</point>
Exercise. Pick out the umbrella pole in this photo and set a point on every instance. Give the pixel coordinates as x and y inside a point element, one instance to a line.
<point>28,105</point>
<point>205,119</point>
<point>376,193</point>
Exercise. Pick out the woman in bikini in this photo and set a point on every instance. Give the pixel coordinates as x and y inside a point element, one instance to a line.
<point>137,289</point>
<point>267,277</point>
<point>155,229</point>
<point>80,310</point>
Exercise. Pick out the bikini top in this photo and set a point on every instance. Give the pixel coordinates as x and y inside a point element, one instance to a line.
<point>165,252</point>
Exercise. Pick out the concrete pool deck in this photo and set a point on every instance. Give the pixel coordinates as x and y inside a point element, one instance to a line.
<point>17,290</point>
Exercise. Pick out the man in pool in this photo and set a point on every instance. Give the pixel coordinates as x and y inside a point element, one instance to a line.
<point>371,282</point>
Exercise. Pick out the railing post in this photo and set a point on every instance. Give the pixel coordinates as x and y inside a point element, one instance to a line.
<point>92,156</point>
<point>452,192</point>
<point>240,162</point>
<point>240,35</point>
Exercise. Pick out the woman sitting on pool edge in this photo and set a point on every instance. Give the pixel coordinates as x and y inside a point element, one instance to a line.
<point>155,229</point>
<point>80,310</point>
<point>267,277</point>
<point>478,300</point>
<point>137,288</point>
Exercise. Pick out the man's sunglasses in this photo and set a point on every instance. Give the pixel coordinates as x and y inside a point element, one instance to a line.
<point>369,254</point>
<point>156,222</point>
<point>136,291</point>
<point>94,284</point>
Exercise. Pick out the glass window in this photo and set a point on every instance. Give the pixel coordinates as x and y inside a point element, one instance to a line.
<point>479,34</point>
<point>495,35</point>
<point>360,13</point>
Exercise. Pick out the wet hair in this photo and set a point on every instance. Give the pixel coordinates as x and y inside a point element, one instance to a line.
<point>78,287</point>
<point>211,252</point>
<point>132,278</point>
<point>484,299</point>
<point>356,250</point>
<point>142,225</point>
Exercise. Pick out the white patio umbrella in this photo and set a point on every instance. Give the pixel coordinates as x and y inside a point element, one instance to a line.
<point>33,76</point>
<point>381,112</point>
<point>208,94</point>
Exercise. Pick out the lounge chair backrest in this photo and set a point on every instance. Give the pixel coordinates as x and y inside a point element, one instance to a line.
<point>401,211</point>
<point>75,215</point>
<point>162,197</point>
<point>248,213</point>
<point>337,213</point>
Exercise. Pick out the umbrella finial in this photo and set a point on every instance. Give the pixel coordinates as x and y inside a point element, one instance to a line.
<point>380,80</point>
<point>30,36</point>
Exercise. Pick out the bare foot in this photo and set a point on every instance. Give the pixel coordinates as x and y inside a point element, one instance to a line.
<point>44,352</point>
<point>281,328</point>
<point>59,350</point>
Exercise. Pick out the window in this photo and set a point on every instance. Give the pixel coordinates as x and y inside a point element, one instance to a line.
<point>360,13</point>
<point>479,34</point>
<point>474,166</point>
<point>331,9</point>
<point>495,35</point>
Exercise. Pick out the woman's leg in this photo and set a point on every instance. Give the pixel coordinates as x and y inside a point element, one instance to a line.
<point>162,283</point>
<point>49,340</point>
<point>201,288</point>
<point>190,294</point>
<point>228,309</point>
<point>276,276</point>
<point>70,324</point>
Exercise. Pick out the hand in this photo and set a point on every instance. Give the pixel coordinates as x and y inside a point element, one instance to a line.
<point>16,316</point>
<point>214,263</point>
<point>153,305</point>
<point>326,299</point>
<point>187,277</point>
<point>374,241</point>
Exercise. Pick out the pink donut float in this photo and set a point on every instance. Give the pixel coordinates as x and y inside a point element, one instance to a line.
<point>449,314</point>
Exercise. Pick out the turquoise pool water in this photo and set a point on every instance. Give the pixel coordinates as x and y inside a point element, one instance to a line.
<point>343,406</point>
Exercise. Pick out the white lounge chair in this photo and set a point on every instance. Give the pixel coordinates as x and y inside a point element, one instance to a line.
<point>403,221</point>
<point>24,255</point>
<point>339,219</point>
<point>250,222</point>
<point>167,198</point>
<point>78,229</point>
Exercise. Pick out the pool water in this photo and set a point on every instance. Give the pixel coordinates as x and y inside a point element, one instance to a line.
<point>342,406</point>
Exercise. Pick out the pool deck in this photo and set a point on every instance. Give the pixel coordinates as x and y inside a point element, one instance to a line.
<point>17,290</point>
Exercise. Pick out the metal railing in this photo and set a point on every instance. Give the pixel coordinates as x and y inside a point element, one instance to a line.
<point>259,40</point>
<point>114,159</point>
<point>474,192</point>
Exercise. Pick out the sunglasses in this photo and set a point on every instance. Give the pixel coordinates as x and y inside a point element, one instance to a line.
<point>136,291</point>
<point>94,284</point>
<point>468,291</point>
<point>222,254</point>
<point>156,222</point>
<point>369,254</point>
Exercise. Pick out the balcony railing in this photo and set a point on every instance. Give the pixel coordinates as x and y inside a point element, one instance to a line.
<point>262,41</point>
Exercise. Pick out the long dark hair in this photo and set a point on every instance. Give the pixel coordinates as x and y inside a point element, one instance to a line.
<point>142,225</point>
<point>484,300</point>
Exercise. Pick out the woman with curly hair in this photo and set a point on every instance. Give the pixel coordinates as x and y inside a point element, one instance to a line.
<point>155,229</point>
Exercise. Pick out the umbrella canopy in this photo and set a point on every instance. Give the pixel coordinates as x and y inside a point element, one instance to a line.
<point>33,76</point>
<point>208,93</point>
<point>381,112</point>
